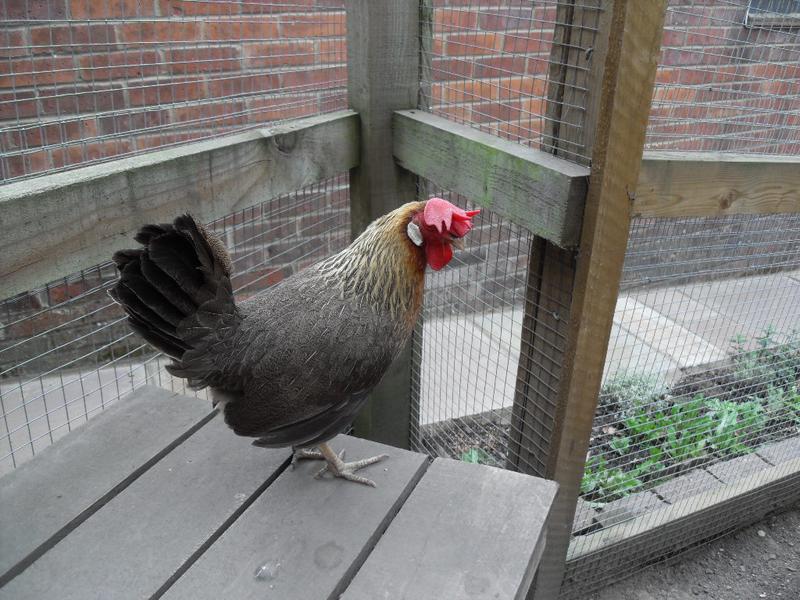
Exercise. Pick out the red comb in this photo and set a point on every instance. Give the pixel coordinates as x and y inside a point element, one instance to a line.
<point>444,216</point>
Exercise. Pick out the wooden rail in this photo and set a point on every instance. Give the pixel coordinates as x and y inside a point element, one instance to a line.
<point>533,189</point>
<point>58,224</point>
<point>681,184</point>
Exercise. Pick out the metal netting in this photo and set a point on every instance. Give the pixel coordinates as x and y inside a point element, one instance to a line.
<point>66,352</point>
<point>475,397</point>
<point>701,389</point>
<point>86,81</point>
<point>491,65</point>
<point>729,78</point>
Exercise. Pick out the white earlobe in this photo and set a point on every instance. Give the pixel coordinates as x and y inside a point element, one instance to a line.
<point>414,234</point>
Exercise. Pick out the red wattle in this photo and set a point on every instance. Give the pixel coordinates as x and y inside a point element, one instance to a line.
<point>438,254</point>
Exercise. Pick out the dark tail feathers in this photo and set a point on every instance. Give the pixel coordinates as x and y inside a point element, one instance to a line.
<point>176,291</point>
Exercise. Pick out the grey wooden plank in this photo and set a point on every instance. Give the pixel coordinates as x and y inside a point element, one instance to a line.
<point>466,531</point>
<point>46,497</point>
<point>61,223</point>
<point>533,189</point>
<point>304,538</point>
<point>382,76</point>
<point>147,534</point>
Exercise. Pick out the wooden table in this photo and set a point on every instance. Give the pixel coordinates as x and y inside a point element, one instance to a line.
<point>157,498</point>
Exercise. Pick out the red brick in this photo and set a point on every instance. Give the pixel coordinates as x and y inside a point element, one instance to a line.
<point>323,24</point>
<point>313,79</point>
<point>14,43</point>
<point>226,113</point>
<point>111,9</point>
<point>278,109</point>
<point>81,98</point>
<point>228,85</point>
<point>241,29</point>
<point>200,60</point>
<point>164,31</point>
<point>499,66</point>
<point>159,92</point>
<point>25,164</point>
<point>133,121</point>
<point>450,69</point>
<point>452,21</point>
<point>77,154</point>
<point>473,44</point>
<point>20,104</point>
<point>528,43</point>
<point>72,39</point>
<point>508,19</point>
<point>279,54</point>
<point>118,65</point>
<point>284,6</point>
<point>211,7</point>
<point>25,72</point>
<point>332,51</point>
<point>495,111</point>
<point>34,10</point>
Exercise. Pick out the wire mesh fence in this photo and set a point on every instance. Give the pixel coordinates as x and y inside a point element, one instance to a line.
<point>66,351</point>
<point>86,81</point>
<point>728,78</point>
<point>491,65</point>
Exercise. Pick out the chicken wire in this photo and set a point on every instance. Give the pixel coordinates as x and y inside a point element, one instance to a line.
<point>467,400</point>
<point>490,65</point>
<point>86,81</point>
<point>729,78</point>
<point>66,351</point>
<point>701,388</point>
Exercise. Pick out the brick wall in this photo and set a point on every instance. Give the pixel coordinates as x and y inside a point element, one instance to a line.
<point>87,80</point>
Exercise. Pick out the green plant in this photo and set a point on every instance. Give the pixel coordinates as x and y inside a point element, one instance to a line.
<point>733,423</point>
<point>620,445</point>
<point>626,392</point>
<point>477,456</point>
<point>687,430</point>
<point>601,482</point>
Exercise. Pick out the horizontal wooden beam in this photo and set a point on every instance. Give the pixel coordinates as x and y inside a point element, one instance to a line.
<point>681,184</point>
<point>58,224</point>
<point>533,189</point>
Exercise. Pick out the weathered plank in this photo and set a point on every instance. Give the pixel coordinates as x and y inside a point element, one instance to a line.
<point>466,531</point>
<point>533,189</point>
<point>628,546</point>
<point>58,224</point>
<point>304,538</point>
<point>633,31</point>
<point>52,494</point>
<point>382,76</point>
<point>681,184</point>
<point>155,528</point>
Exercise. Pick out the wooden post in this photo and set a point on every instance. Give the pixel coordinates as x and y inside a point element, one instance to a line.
<point>383,76</point>
<point>617,108</point>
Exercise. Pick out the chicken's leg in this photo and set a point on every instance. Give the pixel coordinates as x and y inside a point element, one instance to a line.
<point>339,468</point>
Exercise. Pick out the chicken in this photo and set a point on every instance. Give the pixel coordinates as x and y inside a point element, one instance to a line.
<point>294,365</point>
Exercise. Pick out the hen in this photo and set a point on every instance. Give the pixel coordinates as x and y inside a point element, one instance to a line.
<point>293,366</point>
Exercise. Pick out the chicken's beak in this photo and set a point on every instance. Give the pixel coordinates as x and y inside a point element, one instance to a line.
<point>457,243</point>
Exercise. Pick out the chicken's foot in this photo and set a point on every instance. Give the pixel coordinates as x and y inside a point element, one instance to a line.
<point>339,468</point>
<point>299,454</point>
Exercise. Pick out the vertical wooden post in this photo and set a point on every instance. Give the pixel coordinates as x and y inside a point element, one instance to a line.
<point>616,121</point>
<point>383,76</point>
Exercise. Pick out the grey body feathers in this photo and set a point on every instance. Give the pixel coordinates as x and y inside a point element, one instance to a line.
<point>292,366</point>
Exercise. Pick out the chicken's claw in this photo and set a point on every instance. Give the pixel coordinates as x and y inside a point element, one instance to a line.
<point>338,468</point>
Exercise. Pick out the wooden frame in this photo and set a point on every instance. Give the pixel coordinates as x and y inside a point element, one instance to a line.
<point>383,76</point>
<point>633,33</point>
<point>58,224</point>
<point>681,184</point>
<point>533,189</point>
